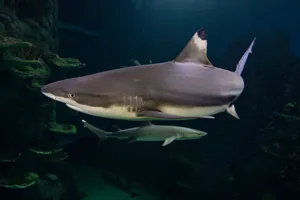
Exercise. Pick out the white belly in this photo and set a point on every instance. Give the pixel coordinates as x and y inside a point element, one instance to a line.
<point>119,112</point>
<point>113,112</point>
<point>193,111</point>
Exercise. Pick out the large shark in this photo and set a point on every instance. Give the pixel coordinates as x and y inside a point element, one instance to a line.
<point>187,87</point>
<point>149,132</point>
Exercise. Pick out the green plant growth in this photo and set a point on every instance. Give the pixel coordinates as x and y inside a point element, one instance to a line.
<point>62,128</point>
<point>15,181</point>
<point>66,62</point>
<point>7,43</point>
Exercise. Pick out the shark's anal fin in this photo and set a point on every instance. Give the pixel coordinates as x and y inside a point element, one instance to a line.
<point>161,115</point>
<point>168,140</point>
<point>231,110</point>
<point>195,50</point>
<point>131,140</point>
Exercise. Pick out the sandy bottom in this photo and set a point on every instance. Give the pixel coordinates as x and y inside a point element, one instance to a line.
<point>89,181</point>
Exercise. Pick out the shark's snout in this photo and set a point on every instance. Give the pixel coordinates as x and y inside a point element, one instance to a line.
<point>47,90</point>
<point>55,90</point>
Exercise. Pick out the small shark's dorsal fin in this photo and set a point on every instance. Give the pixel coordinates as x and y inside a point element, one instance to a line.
<point>116,127</point>
<point>146,123</point>
<point>195,50</point>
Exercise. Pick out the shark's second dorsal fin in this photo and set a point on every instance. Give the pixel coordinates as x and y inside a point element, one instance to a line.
<point>146,123</point>
<point>195,50</point>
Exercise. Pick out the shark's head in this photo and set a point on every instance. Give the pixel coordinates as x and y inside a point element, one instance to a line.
<point>192,134</point>
<point>66,91</point>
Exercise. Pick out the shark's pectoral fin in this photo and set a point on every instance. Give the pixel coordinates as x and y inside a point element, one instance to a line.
<point>161,115</point>
<point>168,140</point>
<point>195,50</point>
<point>231,110</point>
<point>131,140</point>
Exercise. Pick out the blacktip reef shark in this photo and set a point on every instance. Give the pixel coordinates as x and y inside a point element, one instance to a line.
<point>187,87</point>
<point>149,133</point>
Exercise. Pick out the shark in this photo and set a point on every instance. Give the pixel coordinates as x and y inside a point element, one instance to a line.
<point>148,132</point>
<point>187,87</point>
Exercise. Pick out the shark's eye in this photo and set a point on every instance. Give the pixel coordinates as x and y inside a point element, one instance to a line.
<point>71,96</point>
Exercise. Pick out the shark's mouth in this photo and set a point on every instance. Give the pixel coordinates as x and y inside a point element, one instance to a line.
<point>51,96</point>
<point>75,108</point>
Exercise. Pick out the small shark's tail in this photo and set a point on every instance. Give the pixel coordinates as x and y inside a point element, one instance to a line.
<point>102,135</point>
<point>240,66</point>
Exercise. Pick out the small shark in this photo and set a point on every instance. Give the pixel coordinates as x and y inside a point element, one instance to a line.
<point>149,132</point>
<point>187,87</point>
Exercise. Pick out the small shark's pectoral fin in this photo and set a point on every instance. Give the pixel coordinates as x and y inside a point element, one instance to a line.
<point>161,115</point>
<point>131,140</point>
<point>102,135</point>
<point>168,140</point>
<point>231,110</point>
<point>195,50</point>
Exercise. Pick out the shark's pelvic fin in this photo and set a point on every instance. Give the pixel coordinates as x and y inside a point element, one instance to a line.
<point>195,50</point>
<point>231,110</point>
<point>168,140</point>
<point>240,66</point>
<point>132,140</point>
<point>161,115</point>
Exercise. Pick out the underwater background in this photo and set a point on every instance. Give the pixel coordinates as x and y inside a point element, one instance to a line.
<point>45,152</point>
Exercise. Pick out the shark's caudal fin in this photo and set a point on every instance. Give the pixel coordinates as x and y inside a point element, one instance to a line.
<point>195,50</point>
<point>240,66</point>
<point>102,135</point>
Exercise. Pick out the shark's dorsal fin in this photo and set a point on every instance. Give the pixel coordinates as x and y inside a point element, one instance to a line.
<point>146,123</point>
<point>195,50</point>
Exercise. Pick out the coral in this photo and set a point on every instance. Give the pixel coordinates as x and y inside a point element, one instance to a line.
<point>50,189</point>
<point>2,29</point>
<point>28,71</point>
<point>7,43</point>
<point>8,156</point>
<point>291,113</point>
<point>15,62</point>
<point>47,151</point>
<point>62,128</point>
<point>16,181</point>
<point>54,157</point>
<point>287,118</point>
<point>55,60</point>
<point>36,84</point>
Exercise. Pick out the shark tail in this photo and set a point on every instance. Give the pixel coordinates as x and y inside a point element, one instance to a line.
<point>240,66</point>
<point>102,135</point>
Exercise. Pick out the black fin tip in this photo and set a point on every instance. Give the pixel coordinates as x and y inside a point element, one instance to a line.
<point>202,34</point>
